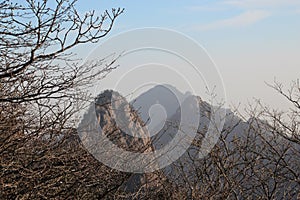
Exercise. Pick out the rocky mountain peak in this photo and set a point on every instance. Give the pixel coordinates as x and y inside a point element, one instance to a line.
<point>121,123</point>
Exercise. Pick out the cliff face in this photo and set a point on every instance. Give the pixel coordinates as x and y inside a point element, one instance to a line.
<point>121,123</point>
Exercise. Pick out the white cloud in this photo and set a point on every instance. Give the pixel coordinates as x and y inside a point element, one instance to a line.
<point>245,4</point>
<point>297,11</point>
<point>244,19</point>
<point>261,3</point>
<point>204,8</point>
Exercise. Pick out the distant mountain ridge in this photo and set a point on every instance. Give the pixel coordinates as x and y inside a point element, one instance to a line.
<point>118,118</point>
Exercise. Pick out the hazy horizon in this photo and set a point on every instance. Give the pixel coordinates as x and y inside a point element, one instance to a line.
<point>251,42</point>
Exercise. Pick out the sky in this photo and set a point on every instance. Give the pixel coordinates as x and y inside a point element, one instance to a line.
<point>251,41</point>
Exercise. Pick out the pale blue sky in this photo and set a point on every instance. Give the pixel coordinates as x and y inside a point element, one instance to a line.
<point>251,41</point>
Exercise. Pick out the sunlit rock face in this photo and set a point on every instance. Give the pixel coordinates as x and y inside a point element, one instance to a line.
<point>121,123</point>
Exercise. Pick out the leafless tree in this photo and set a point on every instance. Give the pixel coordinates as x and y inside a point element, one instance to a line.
<point>256,157</point>
<point>42,84</point>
